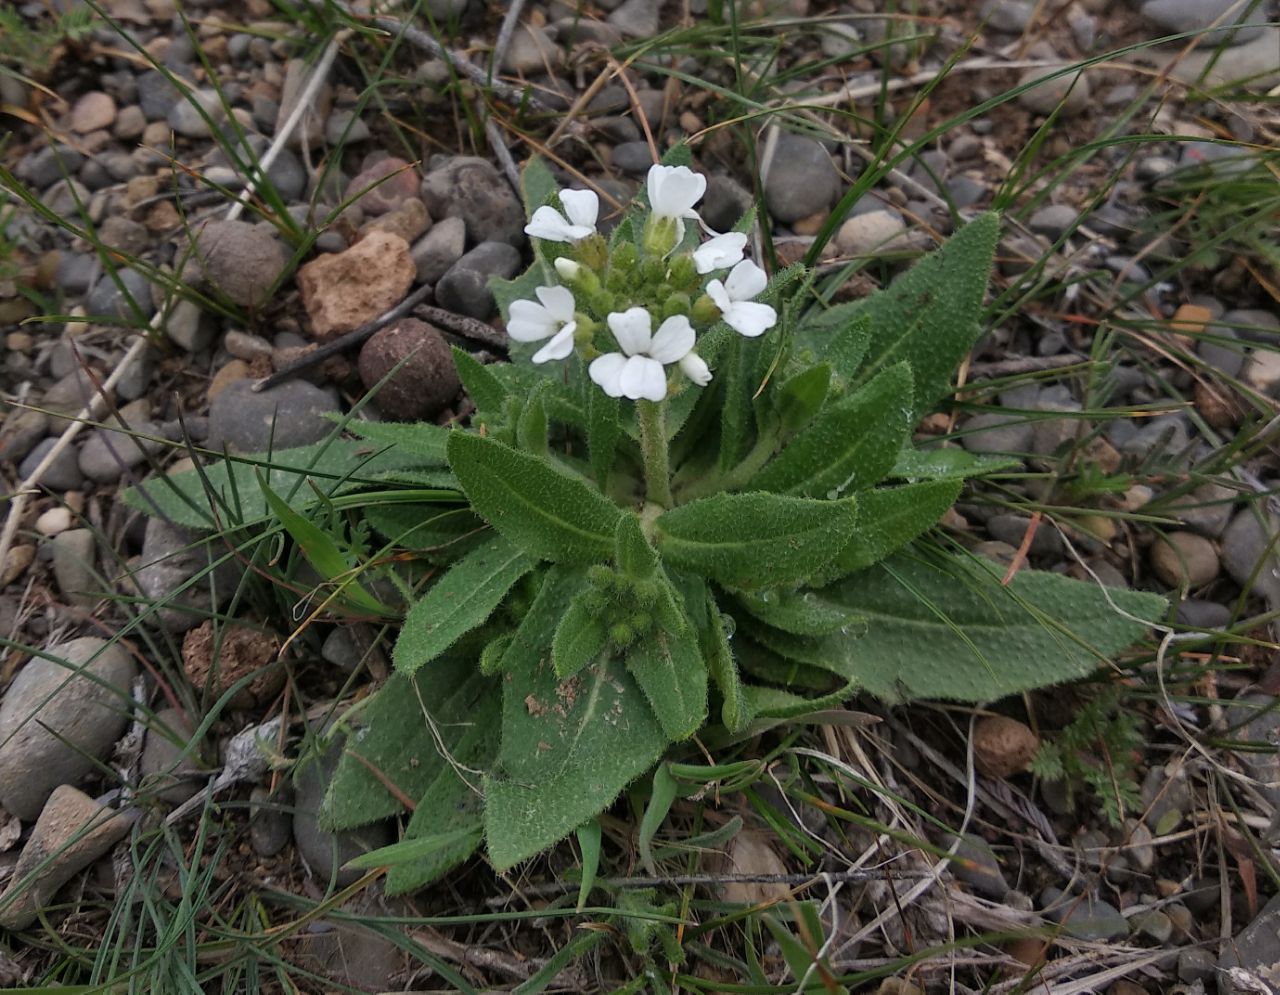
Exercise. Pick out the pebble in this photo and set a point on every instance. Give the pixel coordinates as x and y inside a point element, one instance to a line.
<point>1253,63</point>
<point>636,18</point>
<point>725,202</point>
<point>632,157</point>
<point>426,380</point>
<point>72,832</point>
<point>1154,926</point>
<point>1252,718</point>
<point>1196,966</point>
<point>1262,372</point>
<point>323,851</point>
<point>1013,16</point>
<point>1184,559</point>
<point>270,821</point>
<point>409,220</point>
<point>74,552</point>
<point>346,126</point>
<point>281,417</point>
<point>173,568</point>
<point>1085,918</point>
<point>1070,91</point>
<point>472,189</point>
<point>344,290</point>
<point>237,260</point>
<point>531,50</point>
<point>55,725</point>
<point>1138,846</point>
<point>1012,529</point>
<point>1254,324</point>
<point>94,111</point>
<point>1003,746</point>
<point>802,179</point>
<point>163,771</point>
<point>297,75</point>
<point>1226,359</point>
<point>873,232</point>
<point>55,520</point>
<point>244,346</point>
<point>439,249</point>
<point>1054,220</point>
<point>63,474</point>
<point>21,430</point>
<point>976,865</point>
<point>1199,614</point>
<point>1183,16</point>
<point>382,187</point>
<point>1207,509</point>
<point>185,114</point>
<point>127,296</point>
<point>1243,543</point>
<point>341,649</point>
<point>124,234</point>
<point>47,165</point>
<point>1256,948</point>
<point>465,288</point>
<point>108,454</point>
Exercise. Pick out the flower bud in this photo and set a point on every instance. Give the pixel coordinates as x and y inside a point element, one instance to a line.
<point>673,305</point>
<point>567,268</point>
<point>621,634</point>
<point>593,251</point>
<point>682,272</point>
<point>704,311</point>
<point>599,576</point>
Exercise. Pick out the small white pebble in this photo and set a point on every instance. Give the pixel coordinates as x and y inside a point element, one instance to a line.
<point>53,521</point>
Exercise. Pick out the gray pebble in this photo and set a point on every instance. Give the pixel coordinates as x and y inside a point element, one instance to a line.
<point>637,18</point>
<point>1180,16</point>
<point>55,723</point>
<point>163,771</point>
<point>802,179</point>
<point>270,821</point>
<point>1243,544</point>
<point>282,417</point>
<point>20,432</point>
<point>341,649</point>
<point>345,126</point>
<point>472,189</point>
<point>76,272</point>
<point>1254,325</point>
<point>109,454</point>
<point>1226,359</point>
<point>323,851</point>
<point>976,865</point>
<point>174,572</point>
<point>531,50</point>
<point>47,165</point>
<point>127,296</point>
<point>1203,614</point>
<point>992,432</point>
<point>1153,925</point>
<point>1070,92</point>
<point>1054,220</point>
<point>68,199</point>
<point>1012,529</point>
<point>725,202</point>
<point>191,116</point>
<point>1256,948</point>
<point>74,567</point>
<point>633,157</point>
<point>1084,917</point>
<point>63,473</point>
<point>239,260</point>
<point>439,249</point>
<point>1013,16</point>
<point>156,95</point>
<point>1196,965</point>
<point>465,288</point>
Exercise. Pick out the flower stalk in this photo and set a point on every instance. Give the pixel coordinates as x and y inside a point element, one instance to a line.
<point>652,419</point>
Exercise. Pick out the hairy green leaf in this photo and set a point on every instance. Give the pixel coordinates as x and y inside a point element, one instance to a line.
<point>669,669</point>
<point>543,509</point>
<point>946,464</point>
<point>928,317</point>
<point>459,601</point>
<point>754,540</point>
<point>655,814</point>
<point>849,446</point>
<point>568,749</point>
<point>735,713</point>
<point>420,439</point>
<point>635,557</point>
<point>888,519</point>
<point>945,627</point>
<point>801,397</point>
<point>603,432</point>
<point>485,390</point>
<point>579,638</point>
<point>803,613</point>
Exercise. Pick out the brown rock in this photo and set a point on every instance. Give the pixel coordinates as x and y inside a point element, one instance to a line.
<point>1218,407</point>
<point>1184,558</point>
<point>750,854</point>
<point>235,370</point>
<point>344,290</point>
<point>383,187</point>
<point>426,382</point>
<point>73,831</point>
<point>409,220</point>
<point>15,563</point>
<point>1003,746</point>
<point>93,111</point>
<point>223,658</point>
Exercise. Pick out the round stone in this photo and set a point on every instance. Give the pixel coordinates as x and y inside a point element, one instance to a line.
<point>802,179</point>
<point>237,259</point>
<point>425,383</point>
<point>1184,559</point>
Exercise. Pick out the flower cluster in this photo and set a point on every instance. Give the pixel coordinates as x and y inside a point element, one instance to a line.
<point>621,295</point>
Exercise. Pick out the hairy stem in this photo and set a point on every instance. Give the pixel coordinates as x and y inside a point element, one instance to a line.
<point>652,417</point>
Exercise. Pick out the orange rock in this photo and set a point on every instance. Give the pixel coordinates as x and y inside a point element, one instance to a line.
<point>1003,746</point>
<point>345,290</point>
<point>1189,320</point>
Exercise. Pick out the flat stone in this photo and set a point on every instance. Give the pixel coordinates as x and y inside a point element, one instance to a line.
<point>992,432</point>
<point>802,179</point>
<point>72,831</point>
<point>21,430</point>
<point>1253,64</point>
<point>270,821</point>
<point>1184,559</point>
<point>636,18</point>
<point>472,189</point>
<point>174,571</point>
<point>1071,91</point>
<point>1013,16</point>
<point>56,722</point>
<point>409,220</point>
<point>531,50</point>
<point>1084,917</point>
<point>108,454</point>
<point>975,864</point>
<point>190,116</point>
<point>164,771</point>
<point>1054,220</point>
<point>1244,543</point>
<point>281,417</point>
<point>237,260</point>
<point>63,474</point>
<point>94,111</point>
<point>439,249</point>
<point>74,567</point>
<point>383,187</point>
<point>1222,16</point>
<point>465,288</point>
<point>310,130</point>
<point>127,295</point>
<point>871,233</point>
<point>1256,948</point>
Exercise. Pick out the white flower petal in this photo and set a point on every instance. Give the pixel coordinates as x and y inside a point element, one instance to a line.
<point>718,295</point>
<point>720,252</point>
<point>632,328</point>
<point>745,281</point>
<point>558,301</point>
<point>530,322</point>
<point>695,368</point>
<point>549,225</point>
<point>560,346</point>
<point>643,377</point>
<point>606,372</point>
<point>750,318</point>
<point>567,268</point>
<point>673,340</point>
<point>673,190</point>
<point>582,207</point>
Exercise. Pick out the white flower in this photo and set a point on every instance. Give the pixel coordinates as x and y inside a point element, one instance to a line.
<point>673,190</point>
<point>582,208</point>
<point>637,372</point>
<point>720,252</point>
<point>733,298</point>
<point>696,369</point>
<point>552,319</point>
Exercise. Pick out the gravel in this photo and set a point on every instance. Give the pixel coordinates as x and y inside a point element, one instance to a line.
<point>282,417</point>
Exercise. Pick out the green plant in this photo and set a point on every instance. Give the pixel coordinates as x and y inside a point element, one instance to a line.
<point>1096,751</point>
<point>25,49</point>
<point>634,555</point>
